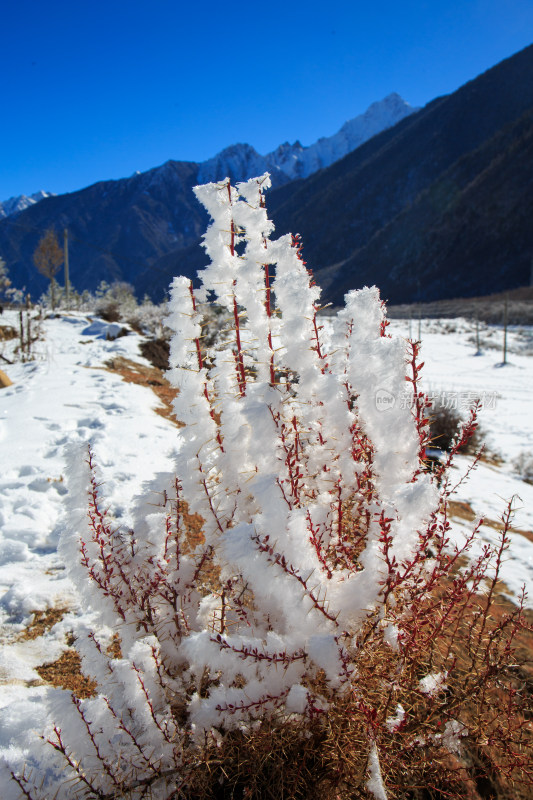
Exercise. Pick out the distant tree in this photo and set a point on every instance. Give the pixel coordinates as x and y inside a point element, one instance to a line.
<point>48,258</point>
<point>5,283</point>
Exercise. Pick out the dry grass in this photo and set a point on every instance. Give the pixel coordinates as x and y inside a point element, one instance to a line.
<point>328,760</point>
<point>464,511</point>
<point>7,332</point>
<point>43,621</point>
<point>66,673</point>
<point>152,377</point>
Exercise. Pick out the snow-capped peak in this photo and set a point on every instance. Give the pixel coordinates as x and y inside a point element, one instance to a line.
<point>289,161</point>
<point>16,204</point>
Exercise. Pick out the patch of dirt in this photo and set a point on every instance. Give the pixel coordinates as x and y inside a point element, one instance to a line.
<point>5,381</point>
<point>42,622</point>
<point>157,351</point>
<point>192,526</point>
<point>464,511</point>
<point>115,650</point>
<point>147,376</point>
<point>7,332</point>
<point>65,673</point>
<point>461,510</point>
<point>493,459</point>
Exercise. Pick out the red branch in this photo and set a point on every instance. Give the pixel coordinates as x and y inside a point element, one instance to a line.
<point>258,655</point>
<point>279,559</point>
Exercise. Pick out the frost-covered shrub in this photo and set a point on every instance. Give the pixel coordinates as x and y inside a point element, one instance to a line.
<point>115,301</point>
<point>301,626</point>
<point>523,466</point>
<point>150,318</point>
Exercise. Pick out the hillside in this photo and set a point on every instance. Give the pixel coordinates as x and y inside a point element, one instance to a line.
<point>469,231</point>
<point>115,227</point>
<point>438,206</point>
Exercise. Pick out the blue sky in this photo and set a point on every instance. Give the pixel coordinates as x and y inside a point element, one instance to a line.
<point>92,91</point>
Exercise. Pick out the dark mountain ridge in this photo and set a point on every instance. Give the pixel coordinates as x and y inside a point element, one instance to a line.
<point>115,227</point>
<point>469,231</point>
<point>437,206</point>
<point>387,212</point>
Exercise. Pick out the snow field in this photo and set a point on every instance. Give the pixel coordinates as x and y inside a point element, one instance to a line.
<point>453,371</point>
<point>64,398</point>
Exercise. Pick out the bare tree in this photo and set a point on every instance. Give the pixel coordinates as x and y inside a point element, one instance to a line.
<point>48,258</point>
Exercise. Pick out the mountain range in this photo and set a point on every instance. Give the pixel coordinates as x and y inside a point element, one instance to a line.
<point>291,161</point>
<point>119,228</point>
<point>427,204</point>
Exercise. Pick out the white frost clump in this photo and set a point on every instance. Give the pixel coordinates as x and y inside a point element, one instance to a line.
<point>433,683</point>
<point>375,781</point>
<point>390,634</point>
<point>393,723</point>
<point>454,731</point>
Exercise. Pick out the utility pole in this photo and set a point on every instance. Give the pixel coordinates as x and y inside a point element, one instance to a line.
<point>419,311</point>
<point>505,317</point>
<point>67,281</point>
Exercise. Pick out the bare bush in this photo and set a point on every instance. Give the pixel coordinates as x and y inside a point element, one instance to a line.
<point>445,424</point>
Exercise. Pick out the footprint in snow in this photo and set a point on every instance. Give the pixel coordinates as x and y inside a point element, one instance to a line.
<point>51,453</point>
<point>92,423</point>
<point>13,550</point>
<point>27,469</point>
<point>10,485</point>
<point>62,440</point>
<point>46,484</point>
<point>113,408</point>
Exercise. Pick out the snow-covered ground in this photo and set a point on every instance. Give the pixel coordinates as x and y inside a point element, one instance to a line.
<point>455,374</point>
<point>64,398</point>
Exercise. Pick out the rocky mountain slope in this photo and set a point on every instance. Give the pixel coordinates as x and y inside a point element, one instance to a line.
<point>291,161</point>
